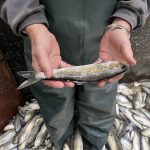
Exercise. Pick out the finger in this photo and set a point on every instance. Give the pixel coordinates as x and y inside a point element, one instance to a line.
<point>54,84</point>
<point>35,65</point>
<point>69,84</point>
<point>65,65</point>
<point>105,56</point>
<point>128,54</point>
<point>55,61</point>
<point>43,61</point>
<point>101,83</point>
<point>116,78</point>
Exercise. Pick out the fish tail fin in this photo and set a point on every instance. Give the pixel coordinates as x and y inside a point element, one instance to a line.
<point>28,83</point>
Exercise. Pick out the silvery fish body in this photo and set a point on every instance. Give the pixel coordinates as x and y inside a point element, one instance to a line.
<point>25,133</point>
<point>128,114</point>
<point>146,132</point>
<point>145,143</point>
<point>8,146</point>
<point>35,130</point>
<point>90,73</point>
<point>78,143</point>
<point>136,140</point>
<point>113,141</point>
<point>66,147</point>
<point>7,137</point>
<point>126,145</point>
<point>147,90</point>
<point>41,136</point>
<point>29,115</point>
<point>82,74</point>
<point>9,127</point>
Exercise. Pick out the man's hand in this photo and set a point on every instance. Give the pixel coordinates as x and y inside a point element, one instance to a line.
<point>115,45</point>
<point>46,53</point>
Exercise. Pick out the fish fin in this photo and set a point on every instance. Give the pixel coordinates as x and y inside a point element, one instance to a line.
<point>28,83</point>
<point>81,82</point>
<point>26,74</point>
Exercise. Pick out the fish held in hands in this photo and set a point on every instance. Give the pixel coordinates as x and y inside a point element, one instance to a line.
<point>78,74</point>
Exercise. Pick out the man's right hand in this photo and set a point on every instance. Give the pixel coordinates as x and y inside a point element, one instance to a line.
<point>46,53</point>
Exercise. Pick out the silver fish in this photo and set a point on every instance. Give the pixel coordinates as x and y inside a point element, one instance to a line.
<point>66,147</point>
<point>126,145</point>
<point>41,136</point>
<point>8,146</point>
<point>146,132</point>
<point>22,111</point>
<point>104,147</point>
<point>9,127</point>
<point>17,123</point>
<point>138,99</point>
<point>117,109</point>
<point>35,131</point>
<point>142,120</point>
<point>146,112</point>
<point>145,84</point>
<point>128,114</point>
<point>79,74</point>
<point>25,133</point>
<point>147,101</point>
<point>29,115</point>
<point>125,90</point>
<point>78,143</point>
<point>146,90</point>
<point>7,137</point>
<point>113,141</point>
<point>123,101</point>
<point>117,123</point>
<point>121,129</point>
<point>32,106</point>
<point>145,143</point>
<point>48,141</point>
<point>127,136</point>
<point>136,140</point>
<point>138,112</point>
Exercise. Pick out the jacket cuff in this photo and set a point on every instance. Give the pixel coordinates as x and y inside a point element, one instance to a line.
<point>34,18</point>
<point>127,15</point>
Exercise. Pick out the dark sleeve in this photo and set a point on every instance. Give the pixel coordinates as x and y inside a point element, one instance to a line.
<point>21,13</point>
<point>133,11</point>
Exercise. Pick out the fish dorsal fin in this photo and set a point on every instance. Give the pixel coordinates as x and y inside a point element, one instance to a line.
<point>26,74</point>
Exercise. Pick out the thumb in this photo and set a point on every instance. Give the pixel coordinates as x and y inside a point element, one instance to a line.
<point>128,54</point>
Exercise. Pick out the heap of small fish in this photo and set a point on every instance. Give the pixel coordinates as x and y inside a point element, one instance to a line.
<point>132,124</point>
<point>131,129</point>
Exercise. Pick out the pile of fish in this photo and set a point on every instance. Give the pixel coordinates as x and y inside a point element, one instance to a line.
<point>132,123</point>
<point>131,129</point>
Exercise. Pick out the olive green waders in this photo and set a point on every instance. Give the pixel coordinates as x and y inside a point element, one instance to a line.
<point>78,26</point>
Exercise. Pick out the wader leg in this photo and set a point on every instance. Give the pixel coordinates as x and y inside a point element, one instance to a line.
<point>96,110</point>
<point>57,106</point>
